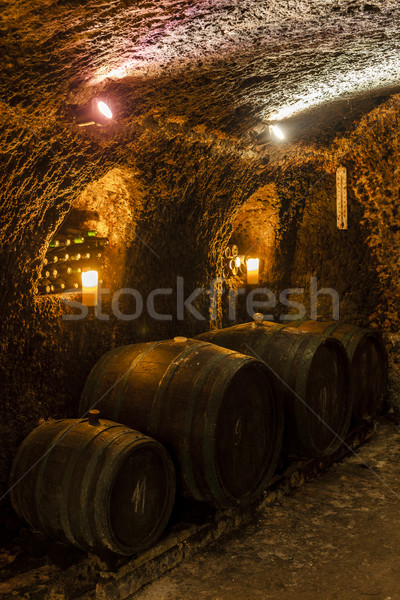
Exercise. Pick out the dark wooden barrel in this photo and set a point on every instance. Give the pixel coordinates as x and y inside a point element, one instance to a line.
<point>214,409</point>
<point>98,485</point>
<point>313,378</point>
<point>368,364</point>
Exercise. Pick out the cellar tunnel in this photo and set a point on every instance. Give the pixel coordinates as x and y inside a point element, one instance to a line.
<point>186,168</point>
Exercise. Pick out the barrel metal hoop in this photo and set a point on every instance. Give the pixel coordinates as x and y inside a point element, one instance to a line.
<point>19,471</point>
<point>348,338</point>
<point>87,479</point>
<point>95,378</point>
<point>42,468</point>
<point>168,375</point>
<point>352,342</point>
<point>123,383</point>
<point>301,405</point>
<point>66,480</point>
<point>335,442</point>
<point>301,381</point>
<point>331,328</point>
<point>102,494</point>
<point>187,462</point>
<point>262,343</point>
<point>265,340</point>
<point>210,421</point>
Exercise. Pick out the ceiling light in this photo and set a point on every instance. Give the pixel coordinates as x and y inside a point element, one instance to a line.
<point>94,112</point>
<point>104,109</point>
<point>276,132</point>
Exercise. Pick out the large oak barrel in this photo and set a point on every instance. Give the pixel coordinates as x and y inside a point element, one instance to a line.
<point>312,375</point>
<point>214,409</point>
<point>95,484</point>
<point>368,363</point>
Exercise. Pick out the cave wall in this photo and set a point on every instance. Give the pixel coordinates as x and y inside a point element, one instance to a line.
<point>177,197</point>
<point>172,201</point>
<point>185,168</point>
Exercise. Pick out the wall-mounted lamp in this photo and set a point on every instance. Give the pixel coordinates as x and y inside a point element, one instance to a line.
<point>276,133</point>
<point>94,112</point>
<point>90,281</point>
<point>233,262</point>
<point>253,267</point>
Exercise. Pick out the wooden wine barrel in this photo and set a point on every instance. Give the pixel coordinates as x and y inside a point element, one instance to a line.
<point>95,484</point>
<point>368,364</point>
<point>214,409</point>
<point>313,378</point>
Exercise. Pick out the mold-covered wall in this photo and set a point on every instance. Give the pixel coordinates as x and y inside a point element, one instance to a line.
<point>184,167</point>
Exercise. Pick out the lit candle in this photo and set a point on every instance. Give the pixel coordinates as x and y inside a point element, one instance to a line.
<point>90,281</point>
<point>252,270</point>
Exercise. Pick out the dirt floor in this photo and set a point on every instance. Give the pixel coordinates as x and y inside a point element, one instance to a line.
<point>336,538</point>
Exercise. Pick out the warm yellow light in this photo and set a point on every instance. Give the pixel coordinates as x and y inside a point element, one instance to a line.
<point>90,278</point>
<point>90,281</point>
<point>104,109</point>
<point>253,265</point>
<point>277,132</point>
<point>238,262</point>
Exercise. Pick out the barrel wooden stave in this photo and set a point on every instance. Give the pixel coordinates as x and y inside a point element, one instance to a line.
<point>174,392</point>
<point>289,354</point>
<point>368,363</point>
<point>65,481</point>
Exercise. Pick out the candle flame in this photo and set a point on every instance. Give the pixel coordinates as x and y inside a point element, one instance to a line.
<point>89,279</point>
<point>252,270</point>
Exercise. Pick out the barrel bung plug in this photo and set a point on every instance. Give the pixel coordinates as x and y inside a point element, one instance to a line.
<point>94,417</point>
<point>258,318</point>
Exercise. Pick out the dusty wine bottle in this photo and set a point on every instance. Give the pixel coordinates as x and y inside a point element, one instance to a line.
<point>100,242</point>
<point>58,285</point>
<point>60,240</point>
<point>63,257</point>
<point>44,287</point>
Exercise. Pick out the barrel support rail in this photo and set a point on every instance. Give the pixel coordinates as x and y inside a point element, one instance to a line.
<point>119,582</point>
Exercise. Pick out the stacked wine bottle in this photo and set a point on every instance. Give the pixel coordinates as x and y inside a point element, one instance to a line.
<point>71,252</point>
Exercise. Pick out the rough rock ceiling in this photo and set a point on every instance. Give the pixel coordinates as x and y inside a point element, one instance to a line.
<point>271,59</point>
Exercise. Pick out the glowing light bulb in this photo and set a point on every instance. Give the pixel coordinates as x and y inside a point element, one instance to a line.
<point>238,262</point>
<point>277,132</point>
<point>104,109</point>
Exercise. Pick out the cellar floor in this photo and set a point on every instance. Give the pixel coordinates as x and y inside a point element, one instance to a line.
<point>335,538</point>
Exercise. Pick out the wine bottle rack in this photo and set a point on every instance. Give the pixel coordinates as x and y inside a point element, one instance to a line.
<point>70,252</point>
